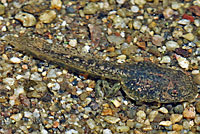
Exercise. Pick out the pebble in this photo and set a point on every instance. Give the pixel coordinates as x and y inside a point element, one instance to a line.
<point>198,106</point>
<point>15,60</point>
<point>134,9</point>
<point>27,114</point>
<point>189,36</point>
<point>176,118</point>
<point>184,22</point>
<point>196,78</point>
<point>112,119</point>
<point>91,8</point>
<point>116,103</point>
<point>16,117</point>
<point>140,3</point>
<point>27,19</point>
<point>171,45</point>
<point>157,40</point>
<point>107,131</point>
<point>36,77</point>
<point>56,4</point>
<point>2,9</point>
<point>137,24</point>
<point>168,12</point>
<point>9,81</point>
<point>176,5</point>
<point>152,115</point>
<point>183,62</point>
<point>189,112</point>
<point>91,123</point>
<point>177,127</point>
<point>115,39</point>
<point>163,110</point>
<point>122,129</point>
<point>165,123</point>
<point>73,42</point>
<point>165,59</point>
<point>197,120</point>
<point>48,16</point>
<point>52,73</point>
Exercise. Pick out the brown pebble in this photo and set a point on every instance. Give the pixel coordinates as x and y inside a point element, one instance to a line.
<point>107,111</point>
<point>189,112</point>
<point>198,106</point>
<point>141,45</point>
<point>195,10</point>
<point>182,52</point>
<point>177,127</point>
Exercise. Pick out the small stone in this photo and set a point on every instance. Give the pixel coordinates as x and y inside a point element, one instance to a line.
<point>122,129</point>
<point>189,36</point>
<point>163,110</point>
<point>121,58</point>
<point>171,45</point>
<point>56,4</point>
<point>48,16</point>
<point>137,24</point>
<point>177,127</point>
<point>198,106</point>
<point>91,123</point>
<point>36,77</point>
<point>184,22</point>
<point>183,62</point>
<point>111,119</point>
<point>141,115</point>
<point>9,81</point>
<point>120,1</point>
<point>51,73</point>
<point>16,117</point>
<point>165,123</point>
<point>157,40</point>
<point>116,103</point>
<point>140,3</point>
<point>115,39</point>
<point>165,59</point>
<point>91,8</point>
<point>2,9</point>
<point>189,112</point>
<point>152,115</point>
<point>73,42</point>
<point>176,5</point>
<point>15,60</point>
<point>107,131</point>
<point>176,118</point>
<point>135,9</point>
<point>196,78</point>
<point>28,114</point>
<point>26,19</point>
<point>195,9</point>
<point>197,120</point>
<point>186,124</point>
<point>168,13</point>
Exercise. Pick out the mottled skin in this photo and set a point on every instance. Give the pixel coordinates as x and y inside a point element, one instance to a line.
<point>143,81</point>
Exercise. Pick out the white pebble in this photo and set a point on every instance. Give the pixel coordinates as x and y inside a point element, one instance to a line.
<point>135,9</point>
<point>36,77</point>
<point>107,131</point>
<point>165,123</point>
<point>171,45</point>
<point>184,22</point>
<point>183,62</point>
<point>15,60</point>
<point>27,114</point>
<point>9,81</point>
<point>16,117</point>
<point>73,42</point>
<point>165,59</point>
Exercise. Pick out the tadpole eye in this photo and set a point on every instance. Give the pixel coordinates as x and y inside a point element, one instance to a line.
<point>173,92</point>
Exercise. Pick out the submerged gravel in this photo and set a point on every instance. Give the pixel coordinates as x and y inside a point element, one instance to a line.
<point>39,97</point>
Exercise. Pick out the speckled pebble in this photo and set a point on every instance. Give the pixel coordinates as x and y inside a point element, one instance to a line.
<point>73,42</point>
<point>91,8</point>
<point>122,129</point>
<point>177,127</point>
<point>91,123</point>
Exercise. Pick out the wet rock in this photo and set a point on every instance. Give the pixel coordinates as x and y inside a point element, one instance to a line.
<point>111,119</point>
<point>171,45</point>
<point>56,4</point>
<point>2,9</point>
<point>176,118</point>
<point>195,9</point>
<point>91,8</point>
<point>157,40</point>
<point>165,123</point>
<point>48,16</point>
<point>189,112</point>
<point>115,39</point>
<point>26,19</point>
<point>168,13</point>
